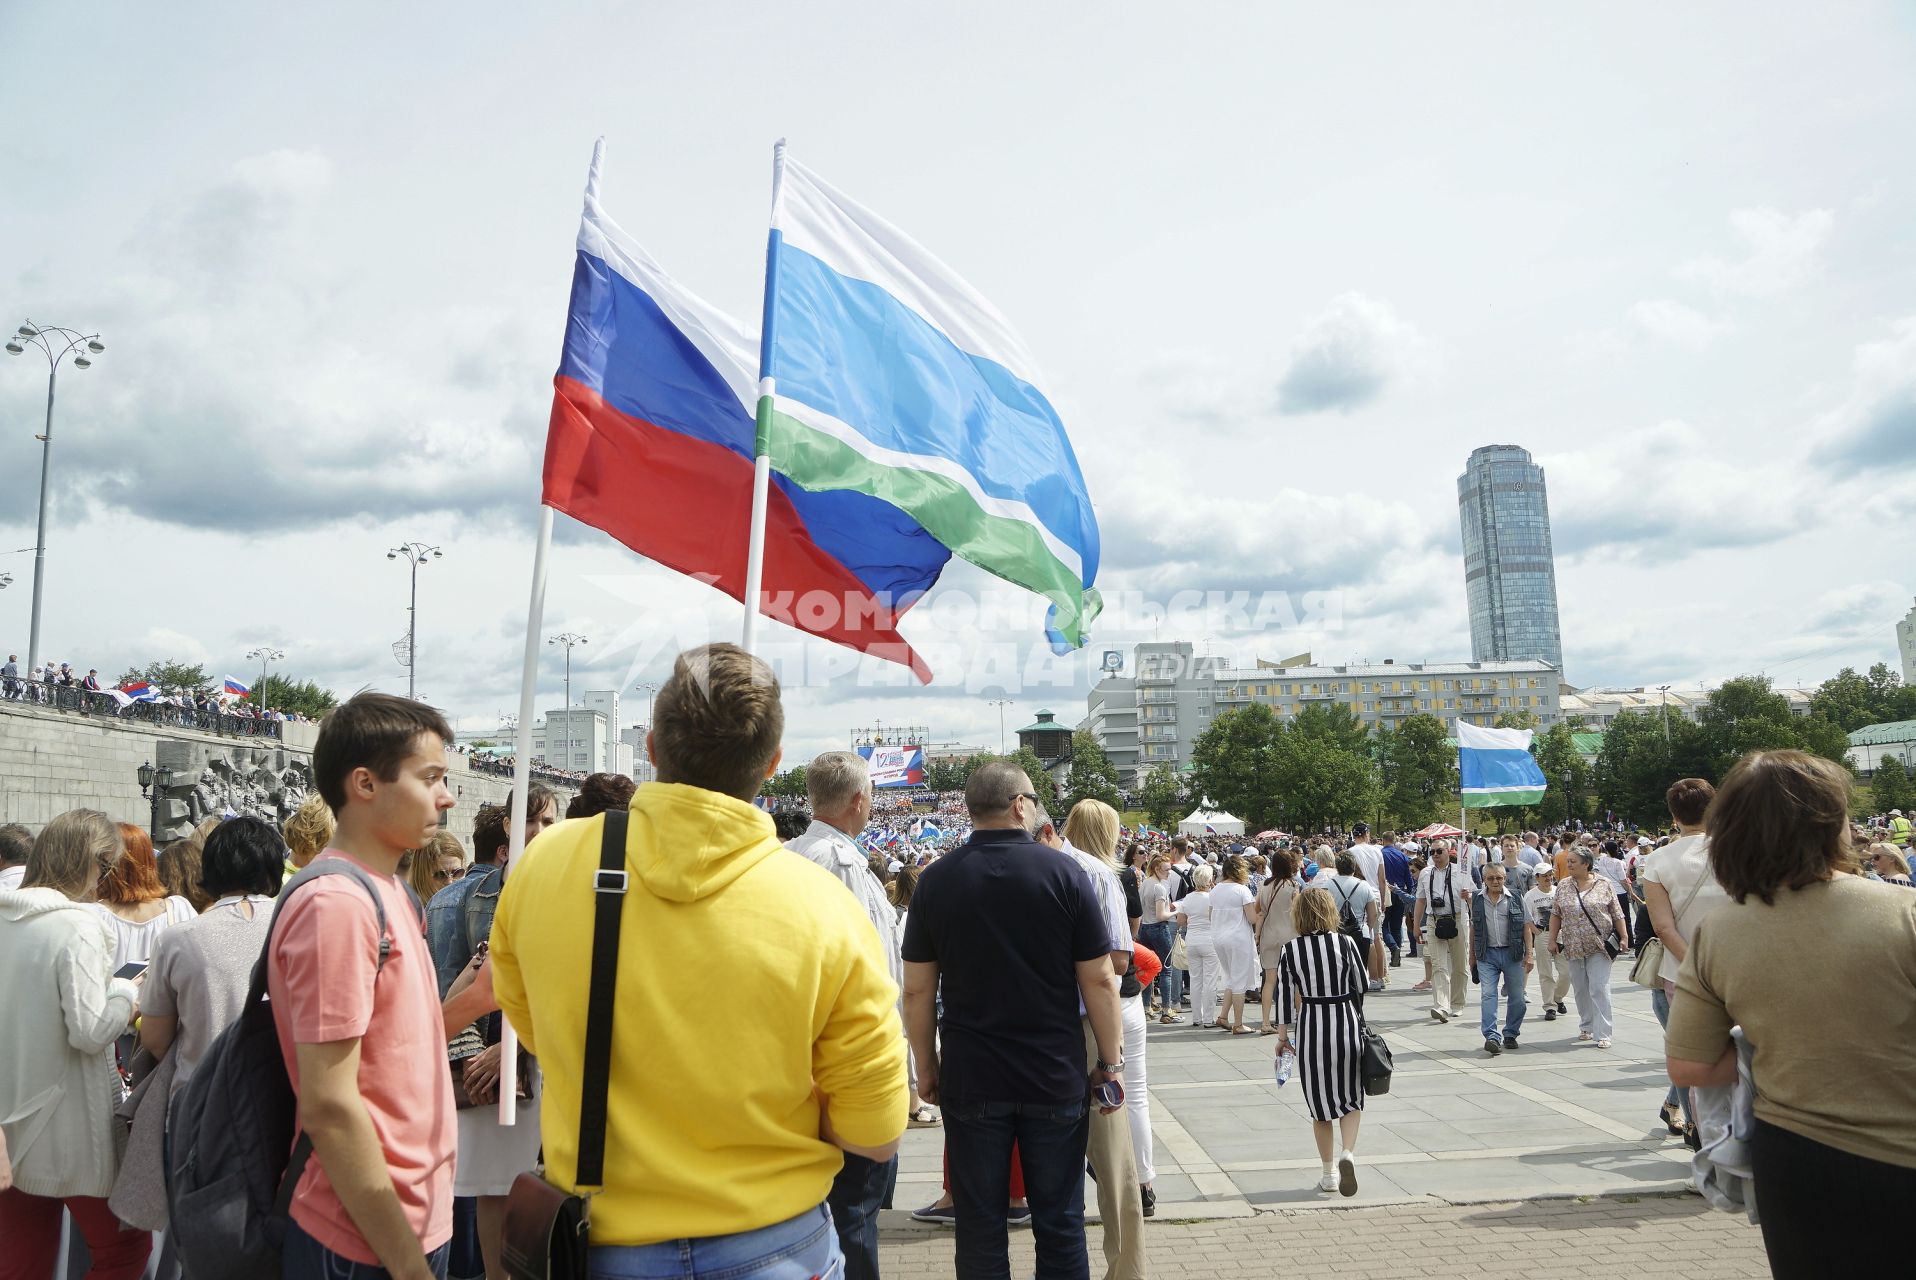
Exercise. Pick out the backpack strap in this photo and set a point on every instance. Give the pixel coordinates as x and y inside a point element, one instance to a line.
<point>608,891</point>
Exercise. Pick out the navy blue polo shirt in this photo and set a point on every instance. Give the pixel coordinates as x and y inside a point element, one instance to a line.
<point>1007,920</point>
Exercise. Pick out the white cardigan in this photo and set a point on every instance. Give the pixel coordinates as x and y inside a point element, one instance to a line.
<point>60,1012</point>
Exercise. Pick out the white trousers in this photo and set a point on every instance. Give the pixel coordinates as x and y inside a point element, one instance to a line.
<point>1137,1102</point>
<point>1590,978</point>
<point>1553,972</point>
<point>1449,967</point>
<point>1205,977</point>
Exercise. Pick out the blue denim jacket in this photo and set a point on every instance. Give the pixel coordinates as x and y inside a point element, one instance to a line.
<point>458,918</point>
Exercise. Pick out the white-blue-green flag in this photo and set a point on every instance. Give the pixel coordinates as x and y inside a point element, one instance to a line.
<point>1496,767</point>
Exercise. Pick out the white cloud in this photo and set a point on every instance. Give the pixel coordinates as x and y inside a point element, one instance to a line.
<point>1671,321</point>
<point>1874,429</point>
<point>1779,252</point>
<point>1346,356</point>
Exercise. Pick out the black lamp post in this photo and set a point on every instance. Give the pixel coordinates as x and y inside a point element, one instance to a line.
<point>153,785</point>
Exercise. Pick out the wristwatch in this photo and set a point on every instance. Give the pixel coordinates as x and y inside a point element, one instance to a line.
<point>1111,1068</point>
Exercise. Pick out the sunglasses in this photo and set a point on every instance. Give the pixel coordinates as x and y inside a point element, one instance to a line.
<point>456,874</point>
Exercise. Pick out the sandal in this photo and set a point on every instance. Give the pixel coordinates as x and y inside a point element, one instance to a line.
<point>1670,1114</point>
<point>1242,1031</point>
<point>923,1118</point>
<point>1267,1030</point>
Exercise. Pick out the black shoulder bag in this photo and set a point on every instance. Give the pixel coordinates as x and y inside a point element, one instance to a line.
<point>547,1228</point>
<point>1610,948</point>
<point>1374,1057</point>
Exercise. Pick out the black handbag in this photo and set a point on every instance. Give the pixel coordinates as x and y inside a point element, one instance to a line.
<point>1374,1061</point>
<point>547,1229</point>
<point>1446,926</point>
<point>1610,948</point>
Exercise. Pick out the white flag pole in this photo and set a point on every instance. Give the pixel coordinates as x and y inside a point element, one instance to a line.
<point>528,711</point>
<point>767,387</point>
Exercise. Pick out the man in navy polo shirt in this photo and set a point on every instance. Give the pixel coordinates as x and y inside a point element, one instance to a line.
<point>1011,932</point>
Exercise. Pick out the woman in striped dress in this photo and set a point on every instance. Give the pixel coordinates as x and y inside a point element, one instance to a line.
<point>1320,987</point>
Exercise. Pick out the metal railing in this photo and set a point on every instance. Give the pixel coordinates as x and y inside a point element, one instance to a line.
<point>85,702</point>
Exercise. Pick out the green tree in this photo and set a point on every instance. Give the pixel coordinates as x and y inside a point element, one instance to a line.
<point>1093,776</point>
<point>1334,723</point>
<point>1636,764</point>
<point>788,784</point>
<point>1844,699</point>
<point>302,696</point>
<point>945,775</point>
<point>1419,771</point>
<point>1162,797</point>
<point>1521,719</point>
<point>1232,763</point>
<point>1318,782</point>
<point>1041,781</point>
<point>1890,787</point>
<point>169,676</point>
<point>1566,776</point>
<point>1746,714</point>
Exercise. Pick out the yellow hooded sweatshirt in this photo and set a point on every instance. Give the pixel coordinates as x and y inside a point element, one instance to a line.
<point>748,977</point>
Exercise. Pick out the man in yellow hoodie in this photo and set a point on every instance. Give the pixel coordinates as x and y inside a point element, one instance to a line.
<point>775,1046</point>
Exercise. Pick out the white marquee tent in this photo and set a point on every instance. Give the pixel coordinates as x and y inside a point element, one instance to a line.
<point>1211,822</point>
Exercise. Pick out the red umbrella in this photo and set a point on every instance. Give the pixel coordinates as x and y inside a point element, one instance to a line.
<point>1439,831</point>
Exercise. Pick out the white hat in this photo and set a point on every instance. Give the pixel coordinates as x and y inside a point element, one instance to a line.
<point>1895,813</point>
<point>1642,840</point>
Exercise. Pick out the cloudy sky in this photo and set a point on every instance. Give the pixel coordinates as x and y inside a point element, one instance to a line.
<point>1284,266</point>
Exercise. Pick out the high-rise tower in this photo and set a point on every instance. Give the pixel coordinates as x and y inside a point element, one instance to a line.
<point>1510,574</point>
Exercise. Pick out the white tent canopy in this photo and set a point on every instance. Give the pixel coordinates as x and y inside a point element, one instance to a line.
<point>1216,820</point>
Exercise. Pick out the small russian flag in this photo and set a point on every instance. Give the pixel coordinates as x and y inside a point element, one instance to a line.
<point>237,689</point>
<point>139,691</point>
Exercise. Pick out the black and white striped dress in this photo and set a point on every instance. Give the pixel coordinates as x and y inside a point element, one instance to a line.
<point>1324,967</point>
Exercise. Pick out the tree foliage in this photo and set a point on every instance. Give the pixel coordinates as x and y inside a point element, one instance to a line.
<point>308,699</point>
<point>1314,771</point>
<point>1093,776</point>
<point>1890,787</point>
<point>1850,701</point>
<point>1162,797</point>
<point>1419,771</point>
<point>787,784</point>
<point>169,677</point>
<point>946,775</point>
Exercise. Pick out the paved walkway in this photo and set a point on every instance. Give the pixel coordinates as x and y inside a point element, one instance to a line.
<point>1535,1240</point>
<point>1551,1119</point>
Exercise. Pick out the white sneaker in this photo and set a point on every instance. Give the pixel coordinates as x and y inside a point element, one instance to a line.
<point>1442,1015</point>
<point>1347,1175</point>
<point>1327,1183</point>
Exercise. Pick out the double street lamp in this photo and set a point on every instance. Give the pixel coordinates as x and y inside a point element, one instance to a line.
<point>149,777</point>
<point>415,554</point>
<point>264,655</point>
<point>56,344</point>
<point>565,640</point>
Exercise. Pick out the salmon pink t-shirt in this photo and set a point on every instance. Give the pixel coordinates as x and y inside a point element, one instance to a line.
<point>321,977</point>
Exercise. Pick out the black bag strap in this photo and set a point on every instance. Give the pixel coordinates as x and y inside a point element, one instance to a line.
<point>1586,913</point>
<point>608,890</point>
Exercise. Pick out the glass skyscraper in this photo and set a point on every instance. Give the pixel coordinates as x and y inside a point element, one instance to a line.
<point>1509,572</point>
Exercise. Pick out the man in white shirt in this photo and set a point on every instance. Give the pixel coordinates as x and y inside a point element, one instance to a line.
<point>1443,899</point>
<point>1553,975</point>
<point>1370,869</point>
<point>840,786</point>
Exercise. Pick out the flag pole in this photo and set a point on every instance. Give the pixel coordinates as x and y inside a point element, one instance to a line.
<point>528,711</point>
<point>767,387</point>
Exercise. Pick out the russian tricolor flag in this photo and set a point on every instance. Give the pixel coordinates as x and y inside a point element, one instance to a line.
<point>652,439</point>
<point>139,691</point>
<point>235,688</point>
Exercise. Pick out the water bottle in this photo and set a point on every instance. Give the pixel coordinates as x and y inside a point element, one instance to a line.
<point>1286,1063</point>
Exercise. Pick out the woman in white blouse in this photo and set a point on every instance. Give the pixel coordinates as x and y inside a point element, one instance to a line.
<point>1194,917</point>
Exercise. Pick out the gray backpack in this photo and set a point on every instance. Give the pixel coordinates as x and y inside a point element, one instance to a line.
<point>232,1160</point>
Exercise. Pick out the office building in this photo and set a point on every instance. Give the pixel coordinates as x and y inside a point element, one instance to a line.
<point>1906,645</point>
<point>1510,574</point>
<point>1155,717</point>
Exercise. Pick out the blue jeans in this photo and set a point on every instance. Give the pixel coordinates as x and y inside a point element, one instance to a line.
<point>799,1248</point>
<point>1660,1005</point>
<point>860,1190</point>
<point>1504,963</point>
<point>1168,984</point>
<point>1051,1146</point>
<point>303,1258</point>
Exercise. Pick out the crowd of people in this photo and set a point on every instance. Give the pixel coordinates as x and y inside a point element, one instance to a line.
<point>1002,990</point>
<point>60,685</point>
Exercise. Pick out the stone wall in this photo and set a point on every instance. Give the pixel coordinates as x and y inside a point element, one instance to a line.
<point>52,761</point>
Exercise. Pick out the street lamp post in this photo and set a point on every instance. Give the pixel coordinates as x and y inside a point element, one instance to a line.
<point>265,655</point>
<point>651,692</point>
<point>153,785</point>
<point>1001,704</point>
<point>1663,691</point>
<point>416,554</point>
<point>47,338</point>
<point>565,640</point>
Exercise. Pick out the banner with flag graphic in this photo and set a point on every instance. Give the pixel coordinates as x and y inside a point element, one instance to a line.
<point>139,691</point>
<point>1496,768</point>
<point>895,379</point>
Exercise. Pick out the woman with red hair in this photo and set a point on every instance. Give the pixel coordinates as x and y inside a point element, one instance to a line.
<point>134,903</point>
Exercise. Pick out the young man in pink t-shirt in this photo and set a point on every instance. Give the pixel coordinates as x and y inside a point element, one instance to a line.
<point>363,1043</point>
